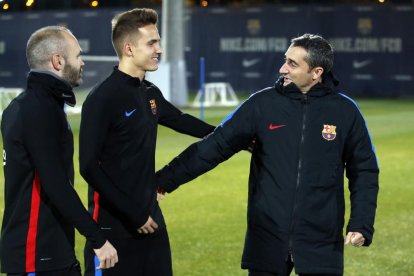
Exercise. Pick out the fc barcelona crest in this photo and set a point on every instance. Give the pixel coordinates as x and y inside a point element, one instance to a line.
<point>153,106</point>
<point>329,132</point>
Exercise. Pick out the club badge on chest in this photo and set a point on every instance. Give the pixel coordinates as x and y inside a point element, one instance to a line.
<point>329,132</point>
<point>153,106</point>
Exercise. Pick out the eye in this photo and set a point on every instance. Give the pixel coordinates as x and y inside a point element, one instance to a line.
<point>292,64</point>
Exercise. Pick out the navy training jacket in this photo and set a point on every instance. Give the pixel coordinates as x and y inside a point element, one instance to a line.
<point>41,206</point>
<point>117,141</point>
<point>304,144</point>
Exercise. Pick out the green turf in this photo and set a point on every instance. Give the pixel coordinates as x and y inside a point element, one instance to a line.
<point>207,218</point>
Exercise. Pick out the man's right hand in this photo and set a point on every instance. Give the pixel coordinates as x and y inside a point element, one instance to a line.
<point>250,147</point>
<point>160,194</point>
<point>107,256</point>
<point>149,227</point>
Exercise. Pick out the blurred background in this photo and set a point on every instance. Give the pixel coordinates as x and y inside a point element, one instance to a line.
<point>242,41</point>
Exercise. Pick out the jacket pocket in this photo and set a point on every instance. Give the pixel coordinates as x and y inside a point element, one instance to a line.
<point>324,175</point>
<point>320,202</point>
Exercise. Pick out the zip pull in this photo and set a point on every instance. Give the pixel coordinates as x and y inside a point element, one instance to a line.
<point>289,256</point>
<point>305,99</point>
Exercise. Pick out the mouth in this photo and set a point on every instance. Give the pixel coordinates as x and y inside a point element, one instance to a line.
<point>286,80</point>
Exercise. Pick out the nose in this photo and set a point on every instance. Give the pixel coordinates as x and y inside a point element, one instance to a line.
<point>283,69</point>
<point>159,49</point>
<point>81,62</point>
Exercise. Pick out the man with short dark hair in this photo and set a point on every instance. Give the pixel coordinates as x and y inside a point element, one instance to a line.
<point>306,135</point>
<point>117,149</point>
<point>41,206</point>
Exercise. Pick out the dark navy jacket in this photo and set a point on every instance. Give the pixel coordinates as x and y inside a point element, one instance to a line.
<point>304,143</point>
<point>41,206</point>
<point>117,142</point>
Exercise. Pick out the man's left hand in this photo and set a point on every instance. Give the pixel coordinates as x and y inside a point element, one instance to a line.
<point>355,238</point>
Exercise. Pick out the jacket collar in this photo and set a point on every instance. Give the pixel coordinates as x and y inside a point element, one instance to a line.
<point>127,78</point>
<point>327,86</point>
<point>54,84</point>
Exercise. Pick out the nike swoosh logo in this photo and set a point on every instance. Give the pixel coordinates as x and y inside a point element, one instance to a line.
<point>250,62</point>
<point>359,64</point>
<point>273,127</point>
<point>66,96</point>
<point>127,114</point>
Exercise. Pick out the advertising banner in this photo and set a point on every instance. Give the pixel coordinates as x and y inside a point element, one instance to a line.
<point>244,46</point>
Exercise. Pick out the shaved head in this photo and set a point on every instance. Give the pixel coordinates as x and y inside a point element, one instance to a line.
<point>44,43</point>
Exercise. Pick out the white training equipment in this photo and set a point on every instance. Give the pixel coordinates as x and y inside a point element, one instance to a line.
<point>7,95</point>
<point>217,94</point>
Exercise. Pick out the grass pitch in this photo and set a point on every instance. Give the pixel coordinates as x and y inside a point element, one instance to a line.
<point>207,218</point>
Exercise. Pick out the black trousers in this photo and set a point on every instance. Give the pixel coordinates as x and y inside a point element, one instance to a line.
<point>286,270</point>
<point>73,270</point>
<point>146,255</point>
<point>260,273</point>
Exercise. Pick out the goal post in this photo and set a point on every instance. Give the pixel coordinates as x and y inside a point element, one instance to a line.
<point>7,95</point>
<point>217,94</point>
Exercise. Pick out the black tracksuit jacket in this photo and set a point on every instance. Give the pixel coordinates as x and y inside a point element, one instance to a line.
<point>117,150</point>
<point>296,185</point>
<point>41,206</point>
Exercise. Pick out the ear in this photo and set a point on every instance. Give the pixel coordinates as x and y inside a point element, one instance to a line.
<point>58,62</point>
<point>127,49</point>
<point>317,73</point>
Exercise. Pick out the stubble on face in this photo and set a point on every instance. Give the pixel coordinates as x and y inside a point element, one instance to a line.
<point>73,74</point>
<point>296,69</point>
<point>73,69</point>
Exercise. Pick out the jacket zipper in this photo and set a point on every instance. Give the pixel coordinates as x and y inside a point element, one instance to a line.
<point>298,177</point>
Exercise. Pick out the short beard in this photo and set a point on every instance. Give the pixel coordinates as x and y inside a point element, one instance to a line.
<point>72,75</point>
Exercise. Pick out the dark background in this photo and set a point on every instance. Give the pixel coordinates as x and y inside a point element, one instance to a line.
<point>243,42</point>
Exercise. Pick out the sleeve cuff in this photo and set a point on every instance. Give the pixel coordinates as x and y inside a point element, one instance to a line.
<point>163,183</point>
<point>98,241</point>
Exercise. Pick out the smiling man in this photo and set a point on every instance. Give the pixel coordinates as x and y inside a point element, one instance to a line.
<point>306,135</point>
<point>117,149</point>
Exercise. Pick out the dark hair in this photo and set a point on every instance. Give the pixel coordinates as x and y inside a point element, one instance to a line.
<point>127,23</point>
<point>320,52</point>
